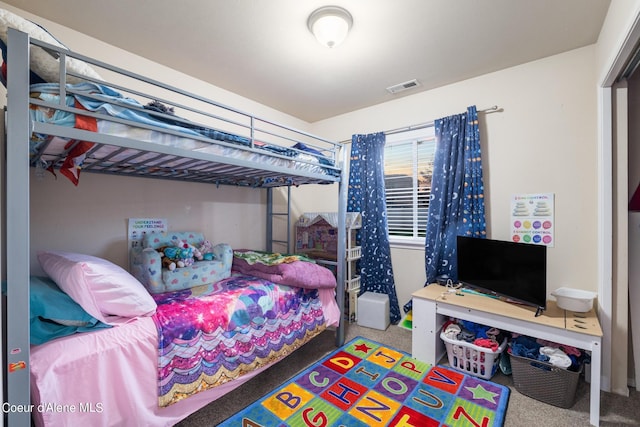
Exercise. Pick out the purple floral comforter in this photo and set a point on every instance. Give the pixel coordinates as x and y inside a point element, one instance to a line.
<point>212,334</point>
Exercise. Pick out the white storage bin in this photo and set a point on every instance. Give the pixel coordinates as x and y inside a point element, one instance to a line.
<point>576,300</point>
<point>373,310</point>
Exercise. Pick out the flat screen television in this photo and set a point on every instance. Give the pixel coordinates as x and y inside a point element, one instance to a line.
<point>516,271</point>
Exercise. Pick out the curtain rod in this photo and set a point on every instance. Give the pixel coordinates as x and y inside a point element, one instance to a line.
<point>425,125</point>
<point>430,124</point>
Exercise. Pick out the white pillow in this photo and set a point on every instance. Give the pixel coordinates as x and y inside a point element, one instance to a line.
<point>105,290</point>
<point>43,64</point>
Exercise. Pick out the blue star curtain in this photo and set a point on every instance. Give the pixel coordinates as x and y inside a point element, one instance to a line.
<point>457,193</point>
<point>456,206</point>
<point>472,221</point>
<point>366,195</point>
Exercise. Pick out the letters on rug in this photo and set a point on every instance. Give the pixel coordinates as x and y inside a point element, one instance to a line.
<point>366,383</point>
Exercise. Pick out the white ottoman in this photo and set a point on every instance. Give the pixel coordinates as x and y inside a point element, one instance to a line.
<point>373,310</point>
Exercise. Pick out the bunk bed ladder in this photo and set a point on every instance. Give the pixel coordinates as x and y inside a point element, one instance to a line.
<point>271,215</point>
<point>342,237</point>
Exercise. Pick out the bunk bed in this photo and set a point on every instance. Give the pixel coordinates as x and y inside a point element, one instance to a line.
<point>135,132</point>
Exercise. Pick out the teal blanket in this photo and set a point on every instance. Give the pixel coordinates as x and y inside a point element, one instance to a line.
<point>54,314</point>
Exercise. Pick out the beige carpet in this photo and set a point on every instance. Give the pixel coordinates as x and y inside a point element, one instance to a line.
<point>523,411</point>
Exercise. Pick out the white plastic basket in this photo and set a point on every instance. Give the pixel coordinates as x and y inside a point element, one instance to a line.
<point>472,359</point>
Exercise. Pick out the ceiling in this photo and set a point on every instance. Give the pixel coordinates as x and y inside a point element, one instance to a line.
<point>263,50</point>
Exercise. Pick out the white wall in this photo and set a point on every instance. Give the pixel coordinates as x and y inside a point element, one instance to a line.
<point>544,140</point>
<point>92,218</point>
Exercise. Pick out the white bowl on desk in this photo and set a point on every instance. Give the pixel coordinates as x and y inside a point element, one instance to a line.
<point>577,300</point>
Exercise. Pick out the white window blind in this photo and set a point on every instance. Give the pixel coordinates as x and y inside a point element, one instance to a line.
<point>408,167</point>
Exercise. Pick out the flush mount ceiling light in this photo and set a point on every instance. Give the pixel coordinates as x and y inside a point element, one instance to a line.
<point>330,25</point>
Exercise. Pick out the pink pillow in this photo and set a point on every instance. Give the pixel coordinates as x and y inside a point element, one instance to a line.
<point>105,290</point>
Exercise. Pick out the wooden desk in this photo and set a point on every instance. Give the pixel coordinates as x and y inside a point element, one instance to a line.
<point>432,305</point>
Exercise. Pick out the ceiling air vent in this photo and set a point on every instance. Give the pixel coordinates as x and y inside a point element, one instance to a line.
<point>401,87</point>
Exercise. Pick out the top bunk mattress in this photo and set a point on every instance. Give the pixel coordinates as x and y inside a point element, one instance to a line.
<point>157,143</point>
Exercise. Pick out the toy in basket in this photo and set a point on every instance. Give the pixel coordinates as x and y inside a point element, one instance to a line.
<point>473,359</point>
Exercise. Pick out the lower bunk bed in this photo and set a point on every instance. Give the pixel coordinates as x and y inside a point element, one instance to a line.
<point>155,370</point>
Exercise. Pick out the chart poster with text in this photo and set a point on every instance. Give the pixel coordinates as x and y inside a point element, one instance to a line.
<point>139,227</point>
<point>532,219</point>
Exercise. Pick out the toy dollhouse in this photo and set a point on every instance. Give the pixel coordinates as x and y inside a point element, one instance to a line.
<point>317,238</point>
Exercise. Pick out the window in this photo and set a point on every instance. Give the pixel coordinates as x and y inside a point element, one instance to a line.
<point>408,166</point>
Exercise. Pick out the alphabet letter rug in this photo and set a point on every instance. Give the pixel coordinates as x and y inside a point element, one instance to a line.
<point>366,383</point>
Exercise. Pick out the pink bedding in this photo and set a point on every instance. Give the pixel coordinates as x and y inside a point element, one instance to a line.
<point>109,377</point>
<point>302,274</point>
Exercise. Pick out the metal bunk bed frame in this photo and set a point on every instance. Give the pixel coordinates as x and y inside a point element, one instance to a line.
<point>219,170</point>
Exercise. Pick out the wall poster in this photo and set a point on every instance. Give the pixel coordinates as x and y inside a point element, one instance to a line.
<point>137,228</point>
<point>532,219</point>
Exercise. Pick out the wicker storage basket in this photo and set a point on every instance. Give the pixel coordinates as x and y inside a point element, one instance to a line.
<point>472,359</point>
<point>544,382</point>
